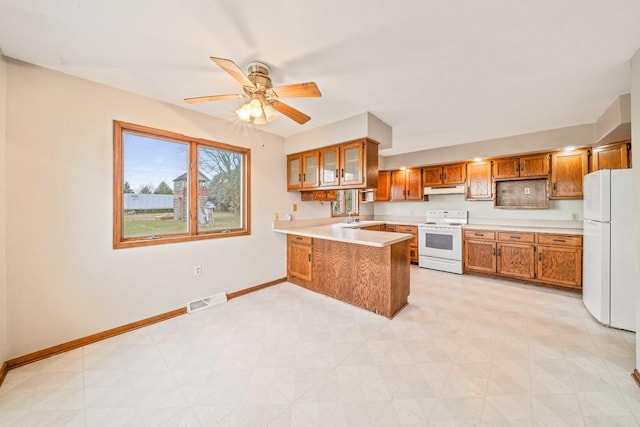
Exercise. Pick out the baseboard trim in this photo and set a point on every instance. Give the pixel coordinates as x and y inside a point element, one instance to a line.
<point>81,342</point>
<point>636,376</point>
<point>3,372</point>
<point>255,288</point>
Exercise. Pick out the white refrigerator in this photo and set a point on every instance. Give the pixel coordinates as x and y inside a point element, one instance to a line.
<point>609,251</point>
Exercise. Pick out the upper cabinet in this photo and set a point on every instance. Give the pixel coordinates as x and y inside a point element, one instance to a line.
<point>406,184</point>
<point>383,192</point>
<point>479,184</point>
<point>350,165</point>
<point>454,174</point>
<point>567,171</point>
<point>611,156</point>
<point>302,171</point>
<point>517,167</point>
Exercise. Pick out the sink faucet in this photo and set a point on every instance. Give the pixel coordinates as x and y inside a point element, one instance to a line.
<point>350,219</point>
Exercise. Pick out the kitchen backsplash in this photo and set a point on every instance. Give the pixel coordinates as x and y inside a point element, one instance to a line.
<point>563,210</point>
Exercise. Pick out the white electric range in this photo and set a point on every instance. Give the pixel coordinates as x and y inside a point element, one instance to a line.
<point>440,240</point>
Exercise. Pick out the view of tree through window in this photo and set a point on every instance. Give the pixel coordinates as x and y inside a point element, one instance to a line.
<point>347,202</point>
<point>172,187</point>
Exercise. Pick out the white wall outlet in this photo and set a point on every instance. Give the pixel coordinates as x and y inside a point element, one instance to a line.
<point>574,216</point>
<point>197,270</point>
<point>527,190</point>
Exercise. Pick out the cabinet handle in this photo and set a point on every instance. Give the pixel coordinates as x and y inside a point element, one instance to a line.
<point>299,177</point>
<point>304,177</point>
<point>499,251</point>
<point>554,187</point>
<point>298,238</point>
<point>478,234</point>
<point>341,173</point>
<point>493,251</point>
<point>522,167</point>
<point>445,176</point>
<point>440,177</point>
<point>559,240</point>
<point>539,256</point>
<point>309,257</point>
<point>517,166</point>
<point>514,237</point>
<point>336,173</point>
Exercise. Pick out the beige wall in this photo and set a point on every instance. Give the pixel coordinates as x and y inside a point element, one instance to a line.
<point>3,180</point>
<point>63,279</point>
<point>635,136</point>
<point>526,143</point>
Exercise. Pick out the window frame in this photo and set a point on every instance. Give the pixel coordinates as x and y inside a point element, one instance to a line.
<point>119,241</point>
<point>343,203</point>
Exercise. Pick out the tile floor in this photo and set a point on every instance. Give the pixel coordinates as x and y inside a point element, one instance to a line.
<point>467,351</point>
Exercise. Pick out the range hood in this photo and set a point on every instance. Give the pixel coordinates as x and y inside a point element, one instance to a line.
<point>453,189</point>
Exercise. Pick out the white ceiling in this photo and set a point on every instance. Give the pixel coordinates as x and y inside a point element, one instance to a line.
<point>439,72</point>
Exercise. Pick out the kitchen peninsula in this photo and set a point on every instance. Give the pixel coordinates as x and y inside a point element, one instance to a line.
<point>368,269</point>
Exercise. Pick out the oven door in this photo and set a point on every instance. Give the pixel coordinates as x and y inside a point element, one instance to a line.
<point>440,242</point>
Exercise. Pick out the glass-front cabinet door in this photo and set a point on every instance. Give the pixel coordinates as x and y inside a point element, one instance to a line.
<point>294,172</point>
<point>351,157</point>
<point>329,167</point>
<point>310,170</point>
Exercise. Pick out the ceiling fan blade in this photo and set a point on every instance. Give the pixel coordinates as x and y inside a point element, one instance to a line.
<point>299,90</point>
<point>213,98</point>
<point>290,112</point>
<point>230,67</point>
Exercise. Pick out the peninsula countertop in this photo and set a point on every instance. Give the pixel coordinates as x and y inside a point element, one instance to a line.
<point>343,232</point>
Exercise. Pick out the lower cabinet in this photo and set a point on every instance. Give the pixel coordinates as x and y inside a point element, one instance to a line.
<point>551,259</point>
<point>413,243</point>
<point>299,257</point>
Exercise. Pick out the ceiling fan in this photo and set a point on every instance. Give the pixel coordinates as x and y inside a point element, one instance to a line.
<point>264,103</point>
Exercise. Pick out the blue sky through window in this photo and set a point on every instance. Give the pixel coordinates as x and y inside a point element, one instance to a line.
<point>151,161</point>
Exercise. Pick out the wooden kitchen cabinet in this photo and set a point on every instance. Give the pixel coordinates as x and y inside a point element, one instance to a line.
<point>406,184</point>
<point>302,171</point>
<point>413,243</point>
<point>568,169</point>
<point>453,174</point>
<point>299,257</point>
<point>516,260</point>
<point>479,183</point>
<point>539,258</point>
<point>329,166</point>
<point>383,192</point>
<point>611,156</point>
<point>480,256</point>
<point>518,167</point>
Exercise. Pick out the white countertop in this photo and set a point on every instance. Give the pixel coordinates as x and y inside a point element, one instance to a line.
<point>524,228</point>
<point>341,232</point>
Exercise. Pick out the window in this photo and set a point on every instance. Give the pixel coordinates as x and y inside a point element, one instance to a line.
<point>347,202</point>
<point>174,188</point>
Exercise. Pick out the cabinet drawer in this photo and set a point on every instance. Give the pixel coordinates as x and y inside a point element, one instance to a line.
<point>516,237</point>
<point>411,229</point>
<point>480,234</point>
<point>560,239</point>
<point>292,238</point>
<point>391,228</point>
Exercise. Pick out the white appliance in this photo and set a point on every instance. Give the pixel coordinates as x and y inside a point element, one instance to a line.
<point>440,240</point>
<point>609,252</point>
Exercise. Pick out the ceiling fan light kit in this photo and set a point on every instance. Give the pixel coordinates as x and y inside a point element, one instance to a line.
<point>264,106</point>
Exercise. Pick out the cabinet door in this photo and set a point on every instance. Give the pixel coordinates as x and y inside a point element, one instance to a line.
<point>432,176</point>
<point>329,167</point>
<point>567,171</point>
<point>310,170</point>
<point>537,165</point>
<point>479,185</point>
<point>560,265</point>
<point>299,257</point>
<point>613,156</point>
<point>413,184</point>
<point>398,191</point>
<point>351,158</point>
<point>454,174</point>
<point>506,168</point>
<point>383,193</point>
<point>480,256</point>
<point>294,172</point>
<point>516,260</point>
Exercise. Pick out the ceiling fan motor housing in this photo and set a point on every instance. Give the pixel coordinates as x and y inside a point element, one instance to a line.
<point>259,75</point>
